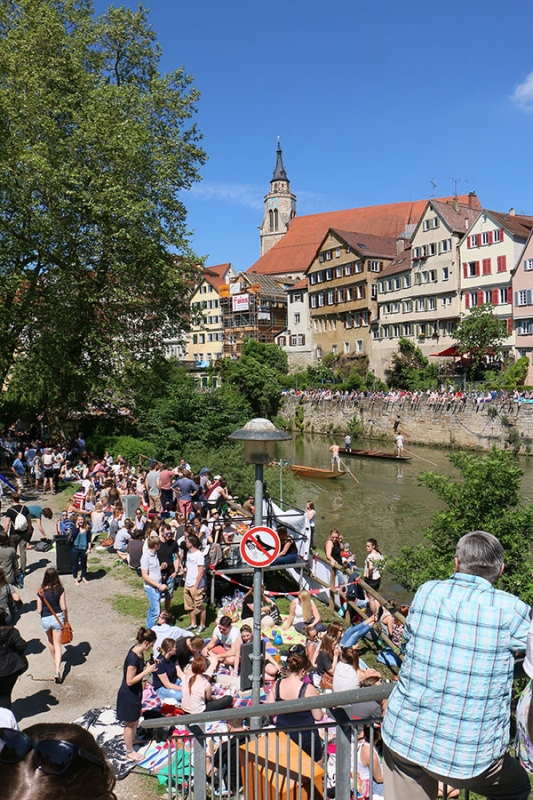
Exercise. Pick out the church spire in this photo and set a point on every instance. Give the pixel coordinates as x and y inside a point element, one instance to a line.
<point>279,171</point>
<point>279,207</point>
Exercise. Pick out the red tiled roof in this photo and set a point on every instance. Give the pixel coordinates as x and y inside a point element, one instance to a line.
<point>366,244</point>
<point>458,217</point>
<point>216,275</point>
<point>297,248</point>
<point>515,224</point>
<point>299,286</point>
<point>401,263</point>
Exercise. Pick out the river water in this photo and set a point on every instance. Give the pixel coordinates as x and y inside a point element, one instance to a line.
<point>387,503</point>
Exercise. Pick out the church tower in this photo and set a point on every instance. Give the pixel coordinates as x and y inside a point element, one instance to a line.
<point>279,207</point>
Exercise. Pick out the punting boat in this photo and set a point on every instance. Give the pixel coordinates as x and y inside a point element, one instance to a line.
<point>314,472</point>
<point>372,454</point>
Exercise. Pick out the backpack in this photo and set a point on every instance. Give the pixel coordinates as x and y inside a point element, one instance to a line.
<point>21,522</point>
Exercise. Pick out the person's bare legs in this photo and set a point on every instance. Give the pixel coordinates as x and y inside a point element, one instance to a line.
<point>55,647</point>
<point>129,736</point>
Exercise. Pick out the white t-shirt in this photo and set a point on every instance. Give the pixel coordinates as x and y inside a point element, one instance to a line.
<point>166,631</point>
<point>195,560</point>
<point>226,639</point>
<point>150,564</point>
<point>345,678</point>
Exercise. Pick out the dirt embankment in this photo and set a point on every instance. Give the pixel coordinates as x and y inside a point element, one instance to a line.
<point>92,663</point>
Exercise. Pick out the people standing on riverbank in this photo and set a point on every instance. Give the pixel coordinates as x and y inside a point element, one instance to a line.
<point>461,632</point>
<point>151,574</point>
<point>372,571</point>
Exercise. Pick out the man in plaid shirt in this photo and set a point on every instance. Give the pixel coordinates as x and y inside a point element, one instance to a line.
<point>448,716</point>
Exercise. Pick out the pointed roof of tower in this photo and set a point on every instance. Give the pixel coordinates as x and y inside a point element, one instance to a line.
<point>279,170</point>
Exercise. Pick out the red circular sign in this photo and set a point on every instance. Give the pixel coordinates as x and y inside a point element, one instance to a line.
<point>260,546</point>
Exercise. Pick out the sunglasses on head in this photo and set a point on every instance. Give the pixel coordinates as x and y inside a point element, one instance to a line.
<point>52,756</point>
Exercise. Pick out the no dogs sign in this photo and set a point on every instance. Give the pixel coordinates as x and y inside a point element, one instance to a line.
<point>260,546</point>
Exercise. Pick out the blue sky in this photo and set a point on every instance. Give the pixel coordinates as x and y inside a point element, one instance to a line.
<point>372,101</point>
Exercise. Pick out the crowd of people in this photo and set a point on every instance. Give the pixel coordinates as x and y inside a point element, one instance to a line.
<point>447,720</point>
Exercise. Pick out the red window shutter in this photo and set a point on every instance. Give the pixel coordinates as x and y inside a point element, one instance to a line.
<point>508,295</point>
<point>486,266</point>
<point>465,269</point>
<point>490,237</point>
<point>495,295</point>
<point>501,234</point>
<point>467,300</point>
<point>509,325</point>
<point>480,298</point>
<point>502,263</point>
<point>468,242</point>
<point>478,271</point>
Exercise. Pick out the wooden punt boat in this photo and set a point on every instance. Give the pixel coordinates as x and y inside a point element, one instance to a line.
<point>314,472</point>
<point>372,454</point>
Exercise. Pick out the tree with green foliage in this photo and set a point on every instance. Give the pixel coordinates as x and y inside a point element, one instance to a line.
<point>479,333</point>
<point>97,145</point>
<point>485,497</point>
<point>256,376</point>
<point>410,369</point>
<point>182,416</point>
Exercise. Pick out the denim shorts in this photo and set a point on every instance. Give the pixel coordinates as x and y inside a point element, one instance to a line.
<point>50,623</point>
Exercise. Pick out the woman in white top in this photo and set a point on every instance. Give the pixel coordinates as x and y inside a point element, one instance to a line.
<point>196,690</point>
<point>363,767</point>
<point>347,673</point>
<point>303,612</point>
<point>372,571</point>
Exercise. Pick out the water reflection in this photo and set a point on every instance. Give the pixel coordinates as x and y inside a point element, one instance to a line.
<point>384,498</point>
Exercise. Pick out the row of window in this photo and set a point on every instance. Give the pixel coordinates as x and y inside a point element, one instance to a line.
<point>358,347</point>
<point>487,237</point>
<point>345,295</point>
<point>294,340</point>
<point>495,296</point>
<point>472,269</point>
<point>525,327</point>
<point>410,329</point>
<point>432,249</point>
<point>322,324</point>
<point>343,270</point>
<point>419,304</point>
<point>197,306</point>
<point>200,338</point>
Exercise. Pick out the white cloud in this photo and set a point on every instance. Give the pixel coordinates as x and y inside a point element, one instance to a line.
<point>241,194</point>
<point>523,94</point>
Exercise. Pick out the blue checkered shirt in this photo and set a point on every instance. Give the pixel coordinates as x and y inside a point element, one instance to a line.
<point>449,711</point>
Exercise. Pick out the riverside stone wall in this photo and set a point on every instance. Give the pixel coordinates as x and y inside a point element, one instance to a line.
<point>460,426</point>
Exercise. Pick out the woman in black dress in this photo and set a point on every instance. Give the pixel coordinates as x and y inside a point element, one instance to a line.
<point>129,698</point>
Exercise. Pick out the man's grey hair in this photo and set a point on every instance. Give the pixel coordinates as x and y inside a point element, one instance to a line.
<point>480,553</point>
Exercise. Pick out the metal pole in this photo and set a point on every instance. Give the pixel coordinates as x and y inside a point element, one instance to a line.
<point>281,481</point>
<point>257,668</point>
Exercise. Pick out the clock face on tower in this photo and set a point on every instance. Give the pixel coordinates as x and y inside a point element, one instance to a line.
<point>272,203</point>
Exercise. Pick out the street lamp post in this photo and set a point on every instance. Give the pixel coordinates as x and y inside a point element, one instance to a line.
<point>259,437</point>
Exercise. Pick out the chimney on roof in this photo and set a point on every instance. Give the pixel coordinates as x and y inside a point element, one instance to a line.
<point>400,244</point>
<point>455,203</point>
<point>472,200</point>
<point>511,212</point>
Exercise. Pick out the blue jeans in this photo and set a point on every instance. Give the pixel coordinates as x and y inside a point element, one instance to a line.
<point>154,609</point>
<point>353,634</point>
<point>166,694</point>
<point>290,558</point>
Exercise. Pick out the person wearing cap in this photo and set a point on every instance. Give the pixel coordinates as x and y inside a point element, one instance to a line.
<point>448,715</point>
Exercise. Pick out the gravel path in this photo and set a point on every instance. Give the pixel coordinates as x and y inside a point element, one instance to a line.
<point>92,663</point>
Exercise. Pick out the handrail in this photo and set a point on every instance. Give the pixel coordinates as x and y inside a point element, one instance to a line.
<point>329,700</point>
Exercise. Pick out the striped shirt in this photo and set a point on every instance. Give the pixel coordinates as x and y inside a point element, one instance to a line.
<point>449,711</point>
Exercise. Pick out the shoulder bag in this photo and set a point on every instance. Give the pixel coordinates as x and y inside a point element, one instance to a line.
<point>67,634</point>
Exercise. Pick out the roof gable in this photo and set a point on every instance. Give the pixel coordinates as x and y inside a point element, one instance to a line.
<point>299,246</point>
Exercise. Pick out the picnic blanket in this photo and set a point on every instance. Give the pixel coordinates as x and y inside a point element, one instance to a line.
<point>108,732</point>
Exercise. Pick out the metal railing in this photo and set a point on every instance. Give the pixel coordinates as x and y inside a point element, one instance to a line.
<point>272,763</point>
